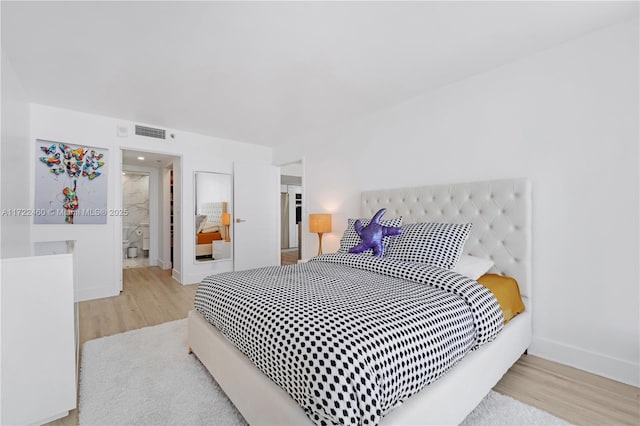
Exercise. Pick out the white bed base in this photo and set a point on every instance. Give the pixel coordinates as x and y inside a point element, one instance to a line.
<point>445,402</point>
<point>501,213</point>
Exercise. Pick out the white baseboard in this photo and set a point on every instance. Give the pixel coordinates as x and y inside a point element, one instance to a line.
<point>593,362</point>
<point>176,275</point>
<point>195,278</point>
<point>164,265</point>
<point>200,270</point>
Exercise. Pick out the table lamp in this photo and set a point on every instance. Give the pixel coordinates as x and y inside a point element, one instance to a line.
<point>319,223</point>
<point>226,221</point>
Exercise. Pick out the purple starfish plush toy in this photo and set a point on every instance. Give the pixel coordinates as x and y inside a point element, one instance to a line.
<point>372,234</point>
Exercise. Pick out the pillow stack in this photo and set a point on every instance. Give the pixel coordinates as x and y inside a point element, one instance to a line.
<point>201,221</point>
<point>437,244</point>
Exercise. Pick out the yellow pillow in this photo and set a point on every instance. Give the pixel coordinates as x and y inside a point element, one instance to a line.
<point>506,290</point>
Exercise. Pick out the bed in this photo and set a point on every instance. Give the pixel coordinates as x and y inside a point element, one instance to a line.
<point>208,227</point>
<point>501,215</point>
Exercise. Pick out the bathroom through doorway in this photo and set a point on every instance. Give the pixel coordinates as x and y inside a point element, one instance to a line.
<point>136,223</point>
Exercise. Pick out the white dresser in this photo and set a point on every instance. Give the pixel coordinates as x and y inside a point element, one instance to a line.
<point>39,334</point>
<point>221,249</point>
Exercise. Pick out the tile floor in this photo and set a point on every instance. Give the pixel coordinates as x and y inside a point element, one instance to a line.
<point>135,262</point>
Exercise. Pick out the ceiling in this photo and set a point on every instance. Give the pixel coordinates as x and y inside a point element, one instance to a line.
<point>268,72</point>
<point>149,159</point>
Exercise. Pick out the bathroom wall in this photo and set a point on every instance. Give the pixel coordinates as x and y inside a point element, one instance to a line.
<point>135,194</point>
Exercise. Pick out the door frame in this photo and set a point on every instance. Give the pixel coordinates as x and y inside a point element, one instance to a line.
<point>177,204</point>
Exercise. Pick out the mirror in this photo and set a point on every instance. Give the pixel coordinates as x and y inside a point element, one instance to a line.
<point>213,217</point>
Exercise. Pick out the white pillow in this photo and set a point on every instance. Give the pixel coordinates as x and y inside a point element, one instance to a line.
<point>472,267</point>
<point>209,227</point>
<point>201,222</point>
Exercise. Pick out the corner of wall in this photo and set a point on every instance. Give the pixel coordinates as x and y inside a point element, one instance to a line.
<point>83,294</point>
<point>15,159</point>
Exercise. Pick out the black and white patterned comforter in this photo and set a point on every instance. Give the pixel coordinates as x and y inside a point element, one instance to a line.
<point>350,337</point>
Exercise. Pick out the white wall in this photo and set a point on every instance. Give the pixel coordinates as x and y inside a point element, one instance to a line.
<point>99,252</point>
<point>15,162</point>
<point>567,118</point>
<point>213,188</point>
<point>293,169</point>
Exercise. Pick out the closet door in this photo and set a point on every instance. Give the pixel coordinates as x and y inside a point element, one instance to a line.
<point>256,224</point>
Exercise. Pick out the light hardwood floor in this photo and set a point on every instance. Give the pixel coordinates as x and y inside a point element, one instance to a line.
<point>151,297</point>
<point>289,257</point>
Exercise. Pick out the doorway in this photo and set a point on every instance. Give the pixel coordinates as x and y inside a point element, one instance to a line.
<point>291,198</point>
<point>147,197</point>
<point>136,224</point>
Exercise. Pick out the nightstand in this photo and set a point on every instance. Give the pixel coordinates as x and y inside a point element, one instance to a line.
<point>221,249</point>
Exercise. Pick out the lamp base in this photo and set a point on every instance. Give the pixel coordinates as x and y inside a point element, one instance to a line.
<point>319,243</point>
<point>227,237</point>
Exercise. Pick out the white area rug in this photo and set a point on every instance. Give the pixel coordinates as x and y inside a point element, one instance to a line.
<point>146,377</point>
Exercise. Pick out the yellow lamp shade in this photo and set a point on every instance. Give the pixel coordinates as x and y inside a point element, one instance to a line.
<point>226,221</point>
<point>320,223</point>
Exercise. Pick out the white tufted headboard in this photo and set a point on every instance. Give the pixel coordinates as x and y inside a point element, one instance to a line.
<point>213,211</point>
<point>500,211</point>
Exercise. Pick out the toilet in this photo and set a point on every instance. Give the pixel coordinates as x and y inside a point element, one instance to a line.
<point>125,246</point>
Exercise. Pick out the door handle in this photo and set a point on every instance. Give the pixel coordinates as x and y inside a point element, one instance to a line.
<point>240,220</point>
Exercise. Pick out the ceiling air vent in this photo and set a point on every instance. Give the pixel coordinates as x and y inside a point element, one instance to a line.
<point>150,132</point>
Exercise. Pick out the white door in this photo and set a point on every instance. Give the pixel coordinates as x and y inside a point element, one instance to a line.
<point>256,195</point>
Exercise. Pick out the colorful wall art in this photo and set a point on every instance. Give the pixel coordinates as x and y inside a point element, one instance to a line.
<point>71,184</point>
